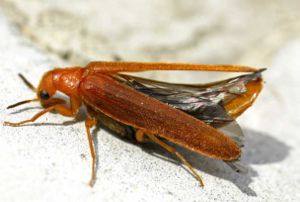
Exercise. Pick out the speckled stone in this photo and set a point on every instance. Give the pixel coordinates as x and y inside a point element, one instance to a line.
<point>50,160</point>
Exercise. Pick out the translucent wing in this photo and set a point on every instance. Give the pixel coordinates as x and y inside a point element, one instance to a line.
<point>206,102</point>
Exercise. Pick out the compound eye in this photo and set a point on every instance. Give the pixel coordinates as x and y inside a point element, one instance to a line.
<point>44,95</point>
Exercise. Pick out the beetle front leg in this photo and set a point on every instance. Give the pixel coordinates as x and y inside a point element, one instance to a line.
<point>60,108</point>
<point>33,119</point>
<point>66,111</point>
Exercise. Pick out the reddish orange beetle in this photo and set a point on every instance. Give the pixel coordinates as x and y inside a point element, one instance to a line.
<point>187,115</point>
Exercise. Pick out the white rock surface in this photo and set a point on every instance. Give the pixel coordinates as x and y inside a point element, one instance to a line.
<point>50,161</point>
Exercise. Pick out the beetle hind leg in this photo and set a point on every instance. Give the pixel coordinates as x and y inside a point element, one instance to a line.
<point>140,137</point>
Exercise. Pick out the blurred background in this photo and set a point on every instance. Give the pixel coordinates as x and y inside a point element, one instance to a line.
<point>246,32</point>
<point>38,34</point>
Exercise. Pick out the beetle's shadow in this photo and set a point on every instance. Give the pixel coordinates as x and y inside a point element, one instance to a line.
<point>260,148</point>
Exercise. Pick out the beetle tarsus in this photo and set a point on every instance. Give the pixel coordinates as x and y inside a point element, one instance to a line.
<point>10,124</point>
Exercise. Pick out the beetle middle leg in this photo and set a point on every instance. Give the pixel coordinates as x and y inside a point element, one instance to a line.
<point>89,123</point>
<point>140,137</point>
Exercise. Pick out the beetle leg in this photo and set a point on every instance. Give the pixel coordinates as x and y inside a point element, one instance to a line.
<point>89,123</point>
<point>181,158</point>
<point>66,111</point>
<point>140,136</point>
<point>60,108</point>
<point>34,118</point>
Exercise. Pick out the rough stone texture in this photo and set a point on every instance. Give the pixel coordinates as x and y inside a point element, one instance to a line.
<point>50,161</point>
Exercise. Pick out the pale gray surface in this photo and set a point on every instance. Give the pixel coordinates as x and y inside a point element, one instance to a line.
<point>51,162</point>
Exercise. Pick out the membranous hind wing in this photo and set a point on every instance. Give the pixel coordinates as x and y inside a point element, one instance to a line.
<point>217,104</point>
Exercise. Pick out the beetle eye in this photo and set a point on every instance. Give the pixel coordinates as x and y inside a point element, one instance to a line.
<point>44,95</point>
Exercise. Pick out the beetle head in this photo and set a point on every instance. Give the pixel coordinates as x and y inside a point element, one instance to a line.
<point>46,89</point>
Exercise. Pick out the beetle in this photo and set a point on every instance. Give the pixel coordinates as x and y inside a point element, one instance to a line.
<point>187,115</point>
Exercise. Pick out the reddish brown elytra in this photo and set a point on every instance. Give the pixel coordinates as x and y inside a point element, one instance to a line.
<point>187,115</point>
